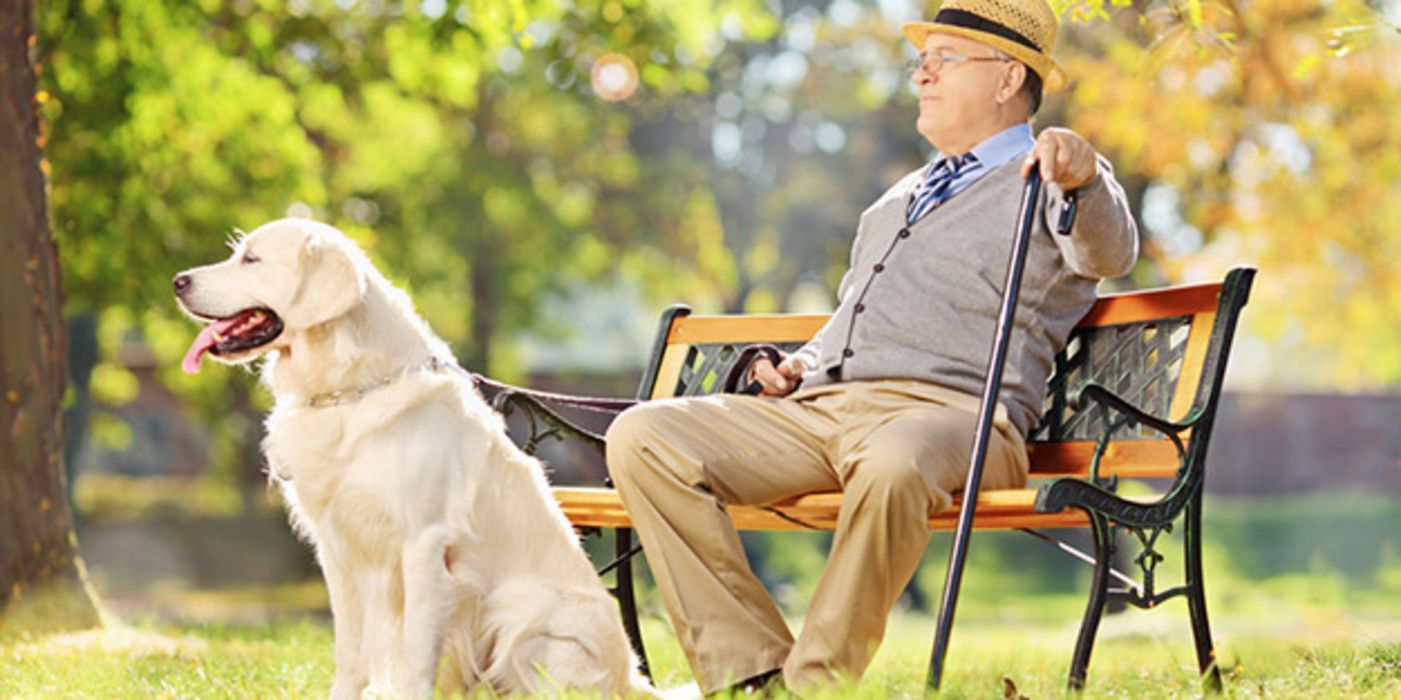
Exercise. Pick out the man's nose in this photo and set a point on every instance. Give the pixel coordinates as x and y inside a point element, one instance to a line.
<point>182,283</point>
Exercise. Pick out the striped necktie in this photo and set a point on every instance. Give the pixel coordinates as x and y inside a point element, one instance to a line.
<point>935,189</point>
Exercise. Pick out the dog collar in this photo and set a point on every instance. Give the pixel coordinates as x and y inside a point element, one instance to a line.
<point>340,397</point>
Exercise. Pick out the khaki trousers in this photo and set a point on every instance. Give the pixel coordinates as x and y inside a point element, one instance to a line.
<point>896,448</point>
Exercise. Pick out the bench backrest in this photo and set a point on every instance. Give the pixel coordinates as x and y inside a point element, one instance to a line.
<point>1164,350</point>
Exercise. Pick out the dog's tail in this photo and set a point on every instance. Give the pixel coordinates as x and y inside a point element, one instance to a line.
<point>546,638</point>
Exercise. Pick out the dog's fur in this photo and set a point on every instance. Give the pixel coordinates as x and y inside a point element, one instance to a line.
<point>436,535</point>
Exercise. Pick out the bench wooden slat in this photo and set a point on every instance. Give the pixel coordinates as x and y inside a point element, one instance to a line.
<point>1111,309</point>
<point>1153,304</point>
<point>772,328</point>
<point>1193,358</point>
<point>1125,458</point>
<point>1000,509</point>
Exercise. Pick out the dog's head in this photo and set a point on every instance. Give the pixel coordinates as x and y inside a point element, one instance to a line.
<point>285,277</point>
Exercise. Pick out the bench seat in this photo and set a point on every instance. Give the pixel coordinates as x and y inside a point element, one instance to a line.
<point>1002,509</point>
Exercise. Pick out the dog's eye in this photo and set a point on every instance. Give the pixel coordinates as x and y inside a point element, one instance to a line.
<point>249,258</point>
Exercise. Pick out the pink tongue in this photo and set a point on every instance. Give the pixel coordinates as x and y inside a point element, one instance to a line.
<point>203,342</point>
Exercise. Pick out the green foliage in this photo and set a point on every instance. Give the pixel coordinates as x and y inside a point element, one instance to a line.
<point>1261,133</point>
<point>465,150</point>
<point>463,145</point>
<point>171,126</point>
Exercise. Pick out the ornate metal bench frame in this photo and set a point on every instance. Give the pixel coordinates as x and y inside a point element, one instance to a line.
<point>1137,361</point>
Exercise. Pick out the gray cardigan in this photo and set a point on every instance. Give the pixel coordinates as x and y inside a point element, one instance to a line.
<point>921,301</point>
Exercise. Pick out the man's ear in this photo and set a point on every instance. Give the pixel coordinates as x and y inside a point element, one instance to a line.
<point>330,283</point>
<point>1011,82</point>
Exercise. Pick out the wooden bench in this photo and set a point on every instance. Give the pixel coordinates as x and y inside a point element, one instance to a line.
<point>1133,395</point>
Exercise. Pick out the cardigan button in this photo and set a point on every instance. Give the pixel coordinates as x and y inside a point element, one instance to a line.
<point>904,233</point>
<point>860,308</point>
<point>880,267</point>
<point>848,352</point>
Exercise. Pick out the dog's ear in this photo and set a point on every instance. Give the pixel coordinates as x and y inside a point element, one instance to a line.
<point>329,286</point>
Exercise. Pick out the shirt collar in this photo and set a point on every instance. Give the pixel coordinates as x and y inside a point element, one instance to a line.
<point>1001,147</point>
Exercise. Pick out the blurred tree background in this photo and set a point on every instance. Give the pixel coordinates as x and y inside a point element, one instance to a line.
<point>533,171</point>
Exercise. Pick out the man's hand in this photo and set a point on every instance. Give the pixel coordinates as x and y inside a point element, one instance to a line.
<point>1066,158</point>
<point>777,381</point>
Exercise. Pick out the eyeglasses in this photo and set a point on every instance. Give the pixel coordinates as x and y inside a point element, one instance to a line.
<point>929,64</point>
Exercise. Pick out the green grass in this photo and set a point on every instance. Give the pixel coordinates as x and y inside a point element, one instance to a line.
<point>1137,657</point>
<point>290,660</point>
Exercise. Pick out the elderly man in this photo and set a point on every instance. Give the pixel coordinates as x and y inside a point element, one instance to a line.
<point>882,404</point>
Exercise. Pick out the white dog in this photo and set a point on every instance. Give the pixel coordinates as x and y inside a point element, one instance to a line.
<point>436,535</point>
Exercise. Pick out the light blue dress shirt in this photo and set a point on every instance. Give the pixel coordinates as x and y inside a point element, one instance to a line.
<point>995,150</point>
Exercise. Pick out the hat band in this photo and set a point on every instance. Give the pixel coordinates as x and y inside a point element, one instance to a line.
<point>968,20</point>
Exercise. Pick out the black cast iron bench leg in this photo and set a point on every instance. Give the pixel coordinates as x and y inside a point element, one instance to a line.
<point>1196,597</point>
<point>627,595</point>
<point>1099,595</point>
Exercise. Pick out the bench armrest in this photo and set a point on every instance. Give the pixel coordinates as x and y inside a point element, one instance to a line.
<point>1090,495</point>
<point>548,422</point>
<point>1100,394</point>
<point>1073,492</point>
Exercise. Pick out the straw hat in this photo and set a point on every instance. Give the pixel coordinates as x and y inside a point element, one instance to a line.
<point>1023,29</point>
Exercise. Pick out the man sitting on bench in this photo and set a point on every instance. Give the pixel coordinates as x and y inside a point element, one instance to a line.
<point>890,386</point>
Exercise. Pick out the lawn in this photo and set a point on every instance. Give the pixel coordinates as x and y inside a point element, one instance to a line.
<point>1337,658</point>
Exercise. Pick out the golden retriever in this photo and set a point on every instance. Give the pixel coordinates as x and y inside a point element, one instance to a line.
<point>436,535</point>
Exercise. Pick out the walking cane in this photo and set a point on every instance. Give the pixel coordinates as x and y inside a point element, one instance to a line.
<point>991,386</point>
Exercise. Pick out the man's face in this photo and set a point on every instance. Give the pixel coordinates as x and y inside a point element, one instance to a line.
<point>958,106</point>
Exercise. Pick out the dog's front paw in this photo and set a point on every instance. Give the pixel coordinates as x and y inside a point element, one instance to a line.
<point>346,689</point>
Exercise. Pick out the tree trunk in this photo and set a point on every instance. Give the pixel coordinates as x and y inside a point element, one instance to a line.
<point>39,564</point>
